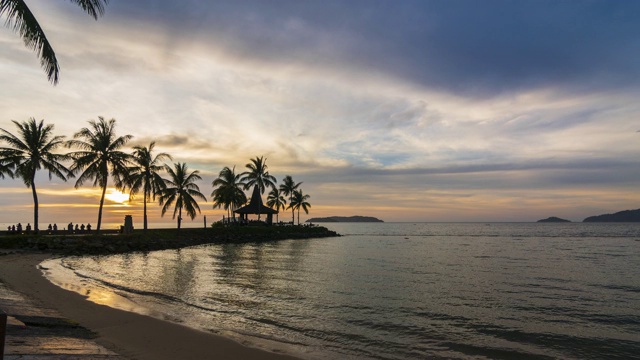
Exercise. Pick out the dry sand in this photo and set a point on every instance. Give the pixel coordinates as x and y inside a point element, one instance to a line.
<point>129,334</point>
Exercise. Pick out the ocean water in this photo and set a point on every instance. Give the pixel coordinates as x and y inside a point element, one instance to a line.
<point>394,290</point>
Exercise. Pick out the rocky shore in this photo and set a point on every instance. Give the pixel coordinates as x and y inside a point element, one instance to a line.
<point>157,239</point>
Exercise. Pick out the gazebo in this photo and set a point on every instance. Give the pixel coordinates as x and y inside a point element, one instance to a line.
<point>256,207</point>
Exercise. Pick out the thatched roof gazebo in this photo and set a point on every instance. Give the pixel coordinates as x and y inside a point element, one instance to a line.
<point>256,207</point>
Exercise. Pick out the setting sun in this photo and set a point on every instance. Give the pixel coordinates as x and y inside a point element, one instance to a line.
<point>117,196</point>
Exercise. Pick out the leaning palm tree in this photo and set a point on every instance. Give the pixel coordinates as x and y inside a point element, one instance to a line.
<point>276,200</point>
<point>299,200</point>
<point>228,192</point>
<point>21,20</point>
<point>258,176</point>
<point>182,190</point>
<point>99,156</point>
<point>287,188</point>
<point>29,151</point>
<point>145,174</point>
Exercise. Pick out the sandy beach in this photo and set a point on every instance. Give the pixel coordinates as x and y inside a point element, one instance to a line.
<point>128,334</point>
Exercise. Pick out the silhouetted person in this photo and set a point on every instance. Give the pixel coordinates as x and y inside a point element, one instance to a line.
<point>77,228</point>
<point>70,228</point>
<point>88,227</point>
<point>9,229</point>
<point>28,228</point>
<point>55,228</point>
<point>49,228</point>
<point>82,228</point>
<point>13,229</point>
<point>19,228</point>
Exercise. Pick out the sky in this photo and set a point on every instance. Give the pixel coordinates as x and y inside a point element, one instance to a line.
<point>403,110</point>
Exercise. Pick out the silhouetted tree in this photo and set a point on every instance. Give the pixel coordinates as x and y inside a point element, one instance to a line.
<point>228,192</point>
<point>145,174</point>
<point>258,176</point>
<point>22,21</point>
<point>182,190</point>
<point>99,156</point>
<point>6,168</point>
<point>299,200</point>
<point>32,150</point>
<point>275,200</point>
<point>287,188</point>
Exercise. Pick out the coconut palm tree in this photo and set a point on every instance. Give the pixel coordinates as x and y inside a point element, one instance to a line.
<point>182,190</point>
<point>30,150</point>
<point>22,21</point>
<point>287,188</point>
<point>6,168</point>
<point>299,200</point>
<point>276,200</point>
<point>258,176</point>
<point>228,192</point>
<point>99,156</point>
<point>145,174</point>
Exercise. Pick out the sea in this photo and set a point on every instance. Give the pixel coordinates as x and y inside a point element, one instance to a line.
<point>393,290</point>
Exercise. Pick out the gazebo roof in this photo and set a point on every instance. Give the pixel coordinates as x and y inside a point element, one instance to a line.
<point>255,204</point>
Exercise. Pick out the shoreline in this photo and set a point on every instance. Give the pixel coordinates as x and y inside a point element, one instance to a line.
<point>64,243</point>
<point>128,334</point>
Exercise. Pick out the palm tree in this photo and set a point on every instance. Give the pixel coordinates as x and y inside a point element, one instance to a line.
<point>276,200</point>
<point>22,21</point>
<point>182,190</point>
<point>258,176</point>
<point>287,188</point>
<point>145,174</point>
<point>228,193</point>
<point>31,151</point>
<point>6,168</point>
<point>299,200</point>
<point>100,156</point>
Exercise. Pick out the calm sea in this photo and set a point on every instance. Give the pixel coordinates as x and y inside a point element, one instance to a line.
<point>394,290</point>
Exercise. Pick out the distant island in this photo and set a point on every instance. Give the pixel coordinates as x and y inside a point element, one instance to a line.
<point>345,219</point>
<point>621,216</point>
<point>554,219</point>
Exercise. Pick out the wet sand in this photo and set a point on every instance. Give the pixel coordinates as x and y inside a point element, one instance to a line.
<point>128,334</point>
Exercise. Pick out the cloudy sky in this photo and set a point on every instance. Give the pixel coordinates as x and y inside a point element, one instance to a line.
<point>403,110</point>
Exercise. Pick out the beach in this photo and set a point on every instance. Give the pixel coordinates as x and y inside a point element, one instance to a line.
<point>128,334</point>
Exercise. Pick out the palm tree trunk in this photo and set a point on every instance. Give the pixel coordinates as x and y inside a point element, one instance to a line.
<point>104,191</point>
<point>145,211</point>
<point>298,216</point>
<point>293,214</point>
<point>179,217</point>
<point>35,205</point>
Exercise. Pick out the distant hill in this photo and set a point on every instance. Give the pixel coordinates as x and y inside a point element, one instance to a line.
<point>554,220</point>
<point>621,216</point>
<point>345,219</point>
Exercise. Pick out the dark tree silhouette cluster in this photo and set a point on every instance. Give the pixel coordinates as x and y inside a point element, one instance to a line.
<point>97,155</point>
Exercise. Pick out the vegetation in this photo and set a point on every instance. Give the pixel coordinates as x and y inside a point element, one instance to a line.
<point>299,201</point>
<point>288,187</point>
<point>31,150</point>
<point>182,190</point>
<point>258,176</point>
<point>228,191</point>
<point>276,201</point>
<point>100,156</point>
<point>145,175</point>
<point>22,21</point>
